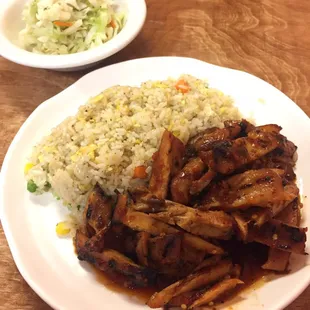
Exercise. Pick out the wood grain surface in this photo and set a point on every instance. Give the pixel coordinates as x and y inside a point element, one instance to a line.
<point>268,38</point>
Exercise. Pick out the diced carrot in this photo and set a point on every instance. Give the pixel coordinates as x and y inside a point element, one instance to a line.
<point>112,24</point>
<point>62,24</point>
<point>182,86</point>
<point>140,172</point>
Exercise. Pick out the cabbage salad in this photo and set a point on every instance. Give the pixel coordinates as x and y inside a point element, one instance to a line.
<point>59,27</point>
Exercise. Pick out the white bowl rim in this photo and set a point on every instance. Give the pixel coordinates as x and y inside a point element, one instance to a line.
<point>135,21</point>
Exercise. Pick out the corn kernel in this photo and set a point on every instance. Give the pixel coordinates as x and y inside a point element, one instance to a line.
<point>27,167</point>
<point>62,229</point>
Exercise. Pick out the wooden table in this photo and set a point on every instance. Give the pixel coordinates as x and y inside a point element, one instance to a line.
<point>268,38</point>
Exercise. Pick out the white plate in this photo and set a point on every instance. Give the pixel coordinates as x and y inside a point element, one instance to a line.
<point>49,264</point>
<point>10,49</point>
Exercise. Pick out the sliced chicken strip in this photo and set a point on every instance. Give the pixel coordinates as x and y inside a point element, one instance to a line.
<point>213,224</point>
<point>210,261</point>
<point>112,261</point>
<point>185,300</point>
<point>252,188</point>
<point>144,222</point>
<point>142,247</point>
<point>139,221</point>
<point>246,126</point>
<point>165,249</point>
<point>271,128</point>
<point>181,183</point>
<point>201,244</point>
<point>168,161</point>
<point>199,185</point>
<point>227,156</point>
<point>98,212</point>
<point>242,225</point>
<point>192,282</point>
<point>261,216</point>
<point>205,140</point>
<point>279,260</point>
<point>278,235</point>
<point>216,291</point>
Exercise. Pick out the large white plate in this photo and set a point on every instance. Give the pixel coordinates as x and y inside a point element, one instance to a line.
<point>49,264</point>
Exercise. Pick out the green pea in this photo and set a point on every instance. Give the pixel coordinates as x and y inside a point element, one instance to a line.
<point>31,186</point>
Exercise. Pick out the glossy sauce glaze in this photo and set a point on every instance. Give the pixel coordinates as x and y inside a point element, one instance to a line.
<point>250,256</point>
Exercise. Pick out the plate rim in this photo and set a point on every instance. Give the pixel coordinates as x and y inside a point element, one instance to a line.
<point>5,167</point>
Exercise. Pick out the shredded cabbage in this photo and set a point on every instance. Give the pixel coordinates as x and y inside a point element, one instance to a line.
<point>69,26</point>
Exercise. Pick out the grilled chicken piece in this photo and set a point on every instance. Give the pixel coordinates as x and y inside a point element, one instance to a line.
<point>205,140</point>
<point>291,214</point>
<point>213,224</point>
<point>165,249</point>
<point>209,224</point>
<point>261,216</point>
<point>185,299</point>
<point>242,225</point>
<point>80,240</point>
<point>276,162</point>
<point>199,185</point>
<point>278,235</point>
<point>98,212</point>
<point>283,157</point>
<point>216,291</point>
<point>148,223</point>
<point>96,242</point>
<point>271,128</point>
<point>121,208</point>
<point>246,126</point>
<point>191,255</point>
<point>208,262</point>
<point>142,247</point>
<point>201,244</point>
<point>251,188</point>
<point>190,283</point>
<point>167,162</point>
<point>122,270</point>
<point>181,183</point>
<point>139,221</point>
<point>144,200</point>
<point>227,156</point>
<point>278,260</point>
<point>97,218</point>
<point>146,207</point>
<point>287,148</point>
<point>113,262</point>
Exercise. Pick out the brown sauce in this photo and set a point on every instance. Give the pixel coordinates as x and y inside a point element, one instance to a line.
<point>141,295</point>
<point>250,256</point>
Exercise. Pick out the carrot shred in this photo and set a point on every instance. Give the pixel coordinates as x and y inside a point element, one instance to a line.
<point>140,172</point>
<point>62,24</point>
<point>112,24</point>
<point>182,86</point>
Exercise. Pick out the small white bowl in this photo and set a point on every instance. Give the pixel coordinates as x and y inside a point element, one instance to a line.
<point>11,23</point>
